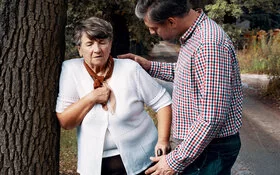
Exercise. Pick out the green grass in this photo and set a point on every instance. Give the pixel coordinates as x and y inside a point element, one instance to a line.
<point>263,57</point>
<point>68,152</point>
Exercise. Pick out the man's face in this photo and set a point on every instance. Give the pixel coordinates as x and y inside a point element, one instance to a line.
<point>163,30</point>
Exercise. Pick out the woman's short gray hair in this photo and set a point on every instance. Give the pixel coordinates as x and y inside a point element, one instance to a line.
<point>94,28</point>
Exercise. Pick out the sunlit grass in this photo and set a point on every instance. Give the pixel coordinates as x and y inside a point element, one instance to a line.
<point>262,56</point>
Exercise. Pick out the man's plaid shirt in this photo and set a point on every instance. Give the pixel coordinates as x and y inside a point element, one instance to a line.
<point>207,93</point>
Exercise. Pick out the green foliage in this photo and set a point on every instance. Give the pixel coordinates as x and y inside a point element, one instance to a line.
<point>263,14</point>
<point>235,34</point>
<point>221,8</point>
<point>266,5</point>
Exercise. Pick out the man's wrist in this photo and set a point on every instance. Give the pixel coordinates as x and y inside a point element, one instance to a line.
<point>147,66</point>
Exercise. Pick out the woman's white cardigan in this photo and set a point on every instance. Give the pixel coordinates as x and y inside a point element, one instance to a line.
<point>130,126</point>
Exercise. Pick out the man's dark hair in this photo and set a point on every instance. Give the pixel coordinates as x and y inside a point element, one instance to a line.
<point>159,10</point>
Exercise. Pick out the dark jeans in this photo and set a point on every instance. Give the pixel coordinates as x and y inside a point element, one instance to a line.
<point>217,158</point>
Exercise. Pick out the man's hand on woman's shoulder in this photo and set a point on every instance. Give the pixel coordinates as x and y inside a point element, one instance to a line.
<point>146,64</point>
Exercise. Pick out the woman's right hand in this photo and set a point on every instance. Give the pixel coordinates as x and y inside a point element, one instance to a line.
<point>146,64</point>
<point>101,95</point>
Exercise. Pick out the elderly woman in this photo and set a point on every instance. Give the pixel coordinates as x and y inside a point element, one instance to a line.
<point>104,99</point>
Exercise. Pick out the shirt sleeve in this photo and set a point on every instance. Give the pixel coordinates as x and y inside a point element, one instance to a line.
<point>162,70</point>
<point>67,90</point>
<point>150,91</point>
<point>213,76</point>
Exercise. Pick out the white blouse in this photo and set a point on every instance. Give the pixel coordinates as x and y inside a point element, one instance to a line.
<point>130,127</point>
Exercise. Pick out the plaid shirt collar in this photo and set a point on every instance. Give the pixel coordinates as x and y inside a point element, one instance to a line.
<point>189,32</point>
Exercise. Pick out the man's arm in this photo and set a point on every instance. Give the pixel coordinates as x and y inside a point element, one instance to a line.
<point>161,70</point>
<point>146,64</point>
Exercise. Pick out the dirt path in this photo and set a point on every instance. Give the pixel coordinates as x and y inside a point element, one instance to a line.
<point>260,133</point>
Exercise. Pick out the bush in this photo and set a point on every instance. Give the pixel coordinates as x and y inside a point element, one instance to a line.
<point>262,56</point>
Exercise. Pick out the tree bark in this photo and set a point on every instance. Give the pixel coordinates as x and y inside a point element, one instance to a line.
<point>31,53</point>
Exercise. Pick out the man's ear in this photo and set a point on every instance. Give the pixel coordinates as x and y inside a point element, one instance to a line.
<point>172,21</point>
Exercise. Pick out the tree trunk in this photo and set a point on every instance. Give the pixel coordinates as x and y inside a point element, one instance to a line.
<point>31,53</point>
<point>121,35</point>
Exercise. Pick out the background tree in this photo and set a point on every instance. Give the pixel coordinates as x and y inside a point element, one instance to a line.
<point>226,13</point>
<point>263,14</point>
<point>31,52</point>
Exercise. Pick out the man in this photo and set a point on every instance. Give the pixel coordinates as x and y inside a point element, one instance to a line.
<point>207,93</point>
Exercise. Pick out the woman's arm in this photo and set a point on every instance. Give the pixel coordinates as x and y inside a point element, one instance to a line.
<point>164,117</point>
<point>73,115</point>
<point>156,97</point>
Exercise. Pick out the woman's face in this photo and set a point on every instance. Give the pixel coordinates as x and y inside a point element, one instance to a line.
<point>95,52</point>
